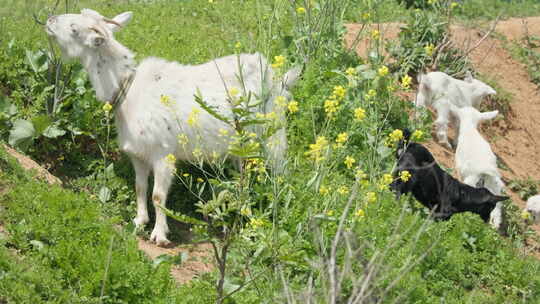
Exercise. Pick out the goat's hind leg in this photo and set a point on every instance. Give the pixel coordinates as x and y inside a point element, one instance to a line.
<point>163,174</point>
<point>142,170</point>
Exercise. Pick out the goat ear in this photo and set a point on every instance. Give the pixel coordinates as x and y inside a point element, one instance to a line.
<point>499,198</point>
<point>468,77</point>
<point>488,115</point>
<point>123,19</point>
<point>290,78</point>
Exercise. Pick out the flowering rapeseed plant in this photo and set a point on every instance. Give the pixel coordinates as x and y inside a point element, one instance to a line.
<point>182,139</point>
<point>359,114</point>
<point>317,149</point>
<point>375,34</point>
<point>406,81</point>
<point>429,48</point>
<point>165,100</point>
<point>371,94</point>
<point>343,190</point>
<point>417,135</point>
<point>279,61</point>
<point>324,190</point>
<point>170,159</point>
<point>383,71</point>
<point>350,71</point>
<point>300,10</point>
<point>405,175</point>
<point>293,106</point>
<point>193,118</point>
<point>233,91</point>
<point>349,161</point>
<point>107,107</point>
<point>359,213</point>
<point>396,135</point>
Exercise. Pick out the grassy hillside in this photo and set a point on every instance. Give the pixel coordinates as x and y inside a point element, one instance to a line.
<point>286,236</point>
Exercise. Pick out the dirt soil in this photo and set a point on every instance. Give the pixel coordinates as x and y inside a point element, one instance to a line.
<point>513,139</point>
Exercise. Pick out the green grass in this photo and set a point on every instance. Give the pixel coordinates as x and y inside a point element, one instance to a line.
<point>60,238</point>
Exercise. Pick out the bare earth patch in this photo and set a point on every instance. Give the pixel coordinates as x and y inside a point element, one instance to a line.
<point>199,258</point>
<point>514,140</point>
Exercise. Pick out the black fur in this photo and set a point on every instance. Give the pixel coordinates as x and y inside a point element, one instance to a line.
<point>436,189</point>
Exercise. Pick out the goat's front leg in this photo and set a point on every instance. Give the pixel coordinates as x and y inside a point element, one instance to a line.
<point>441,123</point>
<point>142,170</point>
<point>163,174</point>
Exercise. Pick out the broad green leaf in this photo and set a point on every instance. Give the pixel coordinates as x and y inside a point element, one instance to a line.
<point>104,194</point>
<point>22,134</point>
<point>54,131</point>
<point>41,122</point>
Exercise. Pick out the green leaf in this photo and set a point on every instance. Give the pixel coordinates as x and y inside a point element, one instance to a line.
<point>182,217</point>
<point>104,194</point>
<point>53,131</point>
<point>109,171</point>
<point>41,122</point>
<point>22,134</point>
<point>211,110</point>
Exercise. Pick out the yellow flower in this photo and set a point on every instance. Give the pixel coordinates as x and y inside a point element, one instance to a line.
<point>366,16</point>
<point>271,115</point>
<point>454,5</point>
<point>387,179</point>
<point>233,91</point>
<point>330,107</point>
<point>281,101</point>
<point>360,213</point>
<point>317,149</point>
<point>360,174</point>
<point>245,211</point>
<point>431,1</point>
<point>165,100</point>
<point>429,48</point>
<point>339,92</point>
<point>260,115</point>
<point>200,180</point>
<point>170,159</point>
<point>182,139</point>
<point>349,162</point>
<point>330,212</point>
<point>396,135</point>
<point>343,190</point>
<point>350,71</point>
<point>238,45</point>
<point>279,61</point>
<point>383,71</point>
<point>193,118</point>
<point>405,175</point>
<point>375,34</point>
<point>300,10</point>
<point>293,106</point>
<point>210,1</point>
<point>359,114</point>
<point>107,107</point>
<point>252,134</point>
<point>197,153</point>
<point>371,93</point>
<point>185,175</point>
<point>324,190</point>
<point>417,135</point>
<point>525,215</point>
<point>255,223</point>
<point>342,138</point>
<point>406,81</point>
<point>371,197</point>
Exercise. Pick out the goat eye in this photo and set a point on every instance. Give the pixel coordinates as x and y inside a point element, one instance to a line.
<point>73,30</point>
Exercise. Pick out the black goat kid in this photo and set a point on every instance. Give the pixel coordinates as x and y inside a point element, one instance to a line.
<point>436,189</point>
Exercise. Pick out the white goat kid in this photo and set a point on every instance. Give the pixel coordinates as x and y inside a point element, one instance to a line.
<point>533,207</point>
<point>475,161</point>
<point>440,90</point>
<point>155,104</point>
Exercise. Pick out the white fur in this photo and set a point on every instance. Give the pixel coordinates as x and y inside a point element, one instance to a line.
<point>533,207</point>
<point>147,129</point>
<point>475,161</point>
<point>441,90</point>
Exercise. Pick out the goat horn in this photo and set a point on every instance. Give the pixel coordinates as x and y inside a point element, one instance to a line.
<point>112,22</point>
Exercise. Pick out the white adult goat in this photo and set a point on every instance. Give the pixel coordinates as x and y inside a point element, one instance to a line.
<point>148,128</point>
<point>441,90</point>
<point>533,207</point>
<point>475,161</point>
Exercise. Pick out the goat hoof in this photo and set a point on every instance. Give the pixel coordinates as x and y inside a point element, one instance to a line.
<point>140,221</point>
<point>159,238</point>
